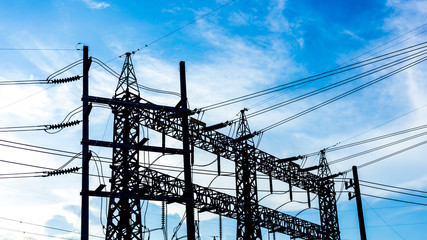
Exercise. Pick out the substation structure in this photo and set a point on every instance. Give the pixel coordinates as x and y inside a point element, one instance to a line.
<point>131,183</point>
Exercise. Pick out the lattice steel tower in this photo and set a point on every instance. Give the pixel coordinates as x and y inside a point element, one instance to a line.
<point>327,201</point>
<point>248,226</point>
<point>124,214</point>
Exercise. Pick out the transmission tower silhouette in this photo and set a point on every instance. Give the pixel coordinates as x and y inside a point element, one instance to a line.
<point>131,183</point>
<point>124,214</point>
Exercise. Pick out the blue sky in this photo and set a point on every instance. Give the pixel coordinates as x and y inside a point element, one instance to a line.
<point>243,47</point>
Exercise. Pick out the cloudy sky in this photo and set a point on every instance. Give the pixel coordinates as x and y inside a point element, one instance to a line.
<point>231,48</point>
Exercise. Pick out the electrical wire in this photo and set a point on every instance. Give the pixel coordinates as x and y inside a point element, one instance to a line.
<point>382,219</point>
<point>378,148</point>
<point>140,86</point>
<point>315,77</point>
<point>390,155</point>
<point>33,233</point>
<point>365,53</point>
<point>394,191</point>
<point>184,26</point>
<point>64,69</point>
<point>392,40</point>
<point>38,49</point>
<point>389,186</point>
<point>336,84</point>
<point>174,31</point>
<point>23,128</point>
<point>382,124</point>
<point>395,200</point>
<point>347,93</point>
<point>372,139</point>
<point>22,82</point>
<point>43,226</point>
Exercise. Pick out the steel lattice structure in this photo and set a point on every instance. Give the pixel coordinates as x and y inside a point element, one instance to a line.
<point>130,183</point>
<point>327,201</point>
<point>124,214</point>
<point>158,186</point>
<point>248,227</point>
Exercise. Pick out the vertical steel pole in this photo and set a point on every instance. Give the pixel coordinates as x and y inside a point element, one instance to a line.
<point>85,146</point>
<point>359,204</point>
<point>189,195</point>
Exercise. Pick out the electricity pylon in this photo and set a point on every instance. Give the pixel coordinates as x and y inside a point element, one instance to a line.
<point>124,214</point>
<point>248,227</point>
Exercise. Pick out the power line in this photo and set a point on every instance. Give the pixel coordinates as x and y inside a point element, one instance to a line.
<point>378,148</point>
<point>184,26</point>
<point>44,226</point>
<point>394,191</point>
<point>396,200</point>
<point>22,82</point>
<point>36,234</point>
<point>365,85</point>
<point>175,31</point>
<point>331,149</point>
<point>315,77</point>
<point>390,155</point>
<point>266,100</point>
<point>382,124</point>
<point>388,225</point>
<point>389,186</point>
<point>392,40</point>
<point>38,49</point>
<point>336,84</point>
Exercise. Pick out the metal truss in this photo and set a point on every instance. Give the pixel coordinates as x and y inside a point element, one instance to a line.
<point>124,214</point>
<point>225,146</point>
<point>163,119</point>
<point>327,201</point>
<point>246,185</point>
<point>159,186</point>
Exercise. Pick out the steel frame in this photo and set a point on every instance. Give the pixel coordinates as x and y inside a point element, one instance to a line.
<point>124,214</point>
<point>152,185</point>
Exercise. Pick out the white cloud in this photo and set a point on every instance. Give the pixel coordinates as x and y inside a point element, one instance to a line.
<point>352,34</point>
<point>275,20</point>
<point>96,5</point>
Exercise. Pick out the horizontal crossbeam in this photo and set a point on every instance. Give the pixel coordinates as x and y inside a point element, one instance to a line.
<point>162,187</point>
<point>224,146</point>
<point>163,119</point>
<point>100,143</point>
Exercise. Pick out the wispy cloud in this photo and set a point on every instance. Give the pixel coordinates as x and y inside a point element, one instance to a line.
<point>276,21</point>
<point>96,5</point>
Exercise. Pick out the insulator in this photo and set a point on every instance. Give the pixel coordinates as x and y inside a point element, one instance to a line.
<point>163,214</point>
<point>63,80</point>
<point>62,171</point>
<point>62,125</point>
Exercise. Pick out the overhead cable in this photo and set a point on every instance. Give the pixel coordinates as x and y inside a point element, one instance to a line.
<point>378,148</point>
<point>396,187</point>
<point>395,200</point>
<point>336,84</point>
<point>331,149</point>
<point>394,191</point>
<point>390,155</point>
<point>316,76</point>
<point>336,98</point>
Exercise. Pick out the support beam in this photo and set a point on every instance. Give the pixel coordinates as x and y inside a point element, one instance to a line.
<point>85,148</point>
<point>158,118</point>
<point>215,142</point>
<point>188,193</point>
<point>359,204</point>
<point>155,184</point>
